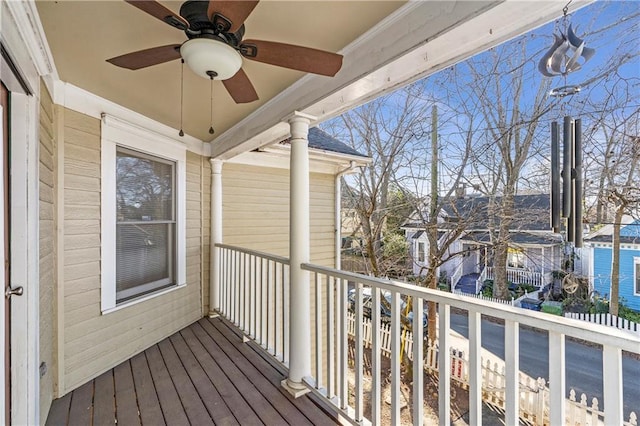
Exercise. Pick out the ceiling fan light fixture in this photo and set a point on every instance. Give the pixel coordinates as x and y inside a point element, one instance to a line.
<point>204,55</point>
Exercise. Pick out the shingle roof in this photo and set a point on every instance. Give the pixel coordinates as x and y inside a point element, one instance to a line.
<point>531,212</point>
<point>629,233</point>
<point>319,139</point>
<point>609,239</point>
<point>517,237</point>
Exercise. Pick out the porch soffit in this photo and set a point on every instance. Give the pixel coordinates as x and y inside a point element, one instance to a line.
<point>395,43</point>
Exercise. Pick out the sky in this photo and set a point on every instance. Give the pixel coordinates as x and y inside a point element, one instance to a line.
<point>610,27</point>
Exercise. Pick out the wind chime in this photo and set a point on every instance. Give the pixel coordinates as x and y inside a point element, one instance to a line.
<point>567,54</point>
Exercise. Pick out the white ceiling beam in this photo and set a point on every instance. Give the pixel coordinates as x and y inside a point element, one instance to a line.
<point>417,40</point>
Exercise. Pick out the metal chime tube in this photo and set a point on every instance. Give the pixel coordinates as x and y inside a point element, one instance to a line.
<point>577,184</point>
<point>555,178</point>
<point>566,169</point>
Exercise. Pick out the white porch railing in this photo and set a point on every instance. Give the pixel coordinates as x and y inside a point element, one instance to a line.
<point>534,393</point>
<point>455,277</point>
<point>481,279</point>
<point>254,295</point>
<point>521,276</point>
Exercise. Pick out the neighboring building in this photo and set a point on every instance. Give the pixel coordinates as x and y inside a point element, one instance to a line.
<point>534,249</point>
<point>600,257</point>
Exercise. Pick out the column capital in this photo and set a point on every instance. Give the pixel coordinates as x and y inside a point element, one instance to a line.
<point>216,165</point>
<point>298,116</point>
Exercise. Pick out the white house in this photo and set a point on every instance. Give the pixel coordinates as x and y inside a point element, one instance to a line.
<point>534,250</point>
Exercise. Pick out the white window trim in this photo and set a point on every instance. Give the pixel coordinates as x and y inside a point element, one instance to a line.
<point>116,132</point>
<point>636,262</point>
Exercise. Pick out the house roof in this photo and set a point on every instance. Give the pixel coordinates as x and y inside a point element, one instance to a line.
<point>321,140</point>
<point>517,237</point>
<point>629,232</point>
<point>531,212</point>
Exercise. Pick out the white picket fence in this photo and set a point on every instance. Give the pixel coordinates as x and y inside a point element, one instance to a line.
<point>607,319</point>
<point>534,393</point>
<point>490,299</point>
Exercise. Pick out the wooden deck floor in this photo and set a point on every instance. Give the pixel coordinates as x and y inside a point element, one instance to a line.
<point>201,375</point>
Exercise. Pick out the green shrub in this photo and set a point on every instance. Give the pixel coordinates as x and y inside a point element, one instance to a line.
<point>628,313</point>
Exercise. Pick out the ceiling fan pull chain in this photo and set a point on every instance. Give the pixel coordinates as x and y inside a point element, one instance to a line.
<point>181,133</point>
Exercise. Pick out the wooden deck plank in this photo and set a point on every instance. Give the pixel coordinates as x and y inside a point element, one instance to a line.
<point>313,413</point>
<point>203,374</point>
<point>172,408</point>
<point>193,405</point>
<point>126,406</point>
<point>295,411</point>
<point>148,404</point>
<point>81,405</point>
<point>272,406</point>
<point>211,398</point>
<point>104,412</point>
<point>230,382</point>
<point>59,412</point>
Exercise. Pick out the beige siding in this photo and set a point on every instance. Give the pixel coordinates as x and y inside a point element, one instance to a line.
<point>47,267</point>
<point>256,211</point>
<point>94,342</point>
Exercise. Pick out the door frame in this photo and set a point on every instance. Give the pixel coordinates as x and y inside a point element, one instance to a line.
<point>23,41</point>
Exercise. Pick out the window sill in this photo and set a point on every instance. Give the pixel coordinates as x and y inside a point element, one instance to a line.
<point>143,299</point>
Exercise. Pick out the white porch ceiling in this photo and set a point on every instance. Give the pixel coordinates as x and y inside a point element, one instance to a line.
<point>385,43</point>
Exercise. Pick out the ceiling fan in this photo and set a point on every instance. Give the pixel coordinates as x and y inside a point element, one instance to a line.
<point>215,45</point>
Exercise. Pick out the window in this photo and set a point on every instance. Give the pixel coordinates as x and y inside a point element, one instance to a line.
<point>145,224</point>
<point>143,214</point>
<point>636,273</point>
<point>515,258</point>
<point>421,251</point>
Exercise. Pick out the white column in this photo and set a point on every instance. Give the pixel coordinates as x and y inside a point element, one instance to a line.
<point>215,237</point>
<point>299,296</point>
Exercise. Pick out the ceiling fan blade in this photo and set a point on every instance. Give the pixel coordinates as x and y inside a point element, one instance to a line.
<point>240,88</point>
<point>291,56</point>
<point>235,11</point>
<point>157,10</point>
<point>148,57</point>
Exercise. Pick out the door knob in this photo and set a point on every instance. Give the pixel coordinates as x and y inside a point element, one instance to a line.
<point>17,291</point>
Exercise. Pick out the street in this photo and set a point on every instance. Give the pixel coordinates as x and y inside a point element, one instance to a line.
<point>583,362</point>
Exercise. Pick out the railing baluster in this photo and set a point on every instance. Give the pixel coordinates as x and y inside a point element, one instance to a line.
<point>376,382</point>
<point>557,393</point>
<point>475,368</point>
<point>318,331</point>
<point>331,338</point>
<point>612,384</point>
<point>512,372</point>
<point>285,314</point>
<point>444,364</point>
<point>278,318</point>
<point>358,354</point>
<point>272,308</point>
<point>253,299</point>
<point>344,344</point>
<point>418,362</point>
<point>396,357</point>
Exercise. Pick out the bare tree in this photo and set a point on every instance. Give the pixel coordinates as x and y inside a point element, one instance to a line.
<point>385,129</point>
